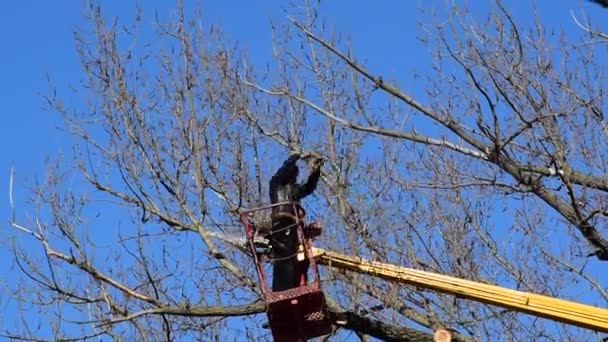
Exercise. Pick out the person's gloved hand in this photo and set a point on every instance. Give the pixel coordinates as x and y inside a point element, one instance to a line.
<point>317,162</point>
<point>314,160</point>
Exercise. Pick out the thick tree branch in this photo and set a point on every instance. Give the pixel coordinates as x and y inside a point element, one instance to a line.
<point>589,232</point>
<point>186,311</point>
<point>379,329</point>
<point>346,320</point>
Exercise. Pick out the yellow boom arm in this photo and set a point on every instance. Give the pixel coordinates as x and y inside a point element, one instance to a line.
<point>564,311</point>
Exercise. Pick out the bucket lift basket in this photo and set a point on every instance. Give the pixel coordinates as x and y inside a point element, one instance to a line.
<point>298,313</point>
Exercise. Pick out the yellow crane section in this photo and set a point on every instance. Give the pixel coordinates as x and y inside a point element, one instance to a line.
<point>564,311</point>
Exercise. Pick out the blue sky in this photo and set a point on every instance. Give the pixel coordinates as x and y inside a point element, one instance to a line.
<point>37,43</point>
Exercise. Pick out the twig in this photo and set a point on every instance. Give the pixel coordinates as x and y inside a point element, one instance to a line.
<point>587,28</point>
<point>10,193</point>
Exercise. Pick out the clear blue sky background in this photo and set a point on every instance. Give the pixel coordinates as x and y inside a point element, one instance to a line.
<point>36,41</point>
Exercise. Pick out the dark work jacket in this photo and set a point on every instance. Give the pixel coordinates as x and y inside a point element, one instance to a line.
<point>283,186</point>
<point>284,242</point>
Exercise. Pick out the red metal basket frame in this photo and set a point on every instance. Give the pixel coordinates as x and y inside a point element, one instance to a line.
<point>250,232</point>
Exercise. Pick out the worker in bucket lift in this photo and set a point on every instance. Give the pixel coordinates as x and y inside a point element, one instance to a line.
<point>284,237</point>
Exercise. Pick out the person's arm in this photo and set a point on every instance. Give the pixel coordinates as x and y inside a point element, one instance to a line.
<point>311,184</point>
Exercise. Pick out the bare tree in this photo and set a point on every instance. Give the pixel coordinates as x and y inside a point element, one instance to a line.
<point>497,174</point>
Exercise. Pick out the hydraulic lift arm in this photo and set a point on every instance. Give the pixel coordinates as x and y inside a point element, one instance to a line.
<point>560,310</point>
